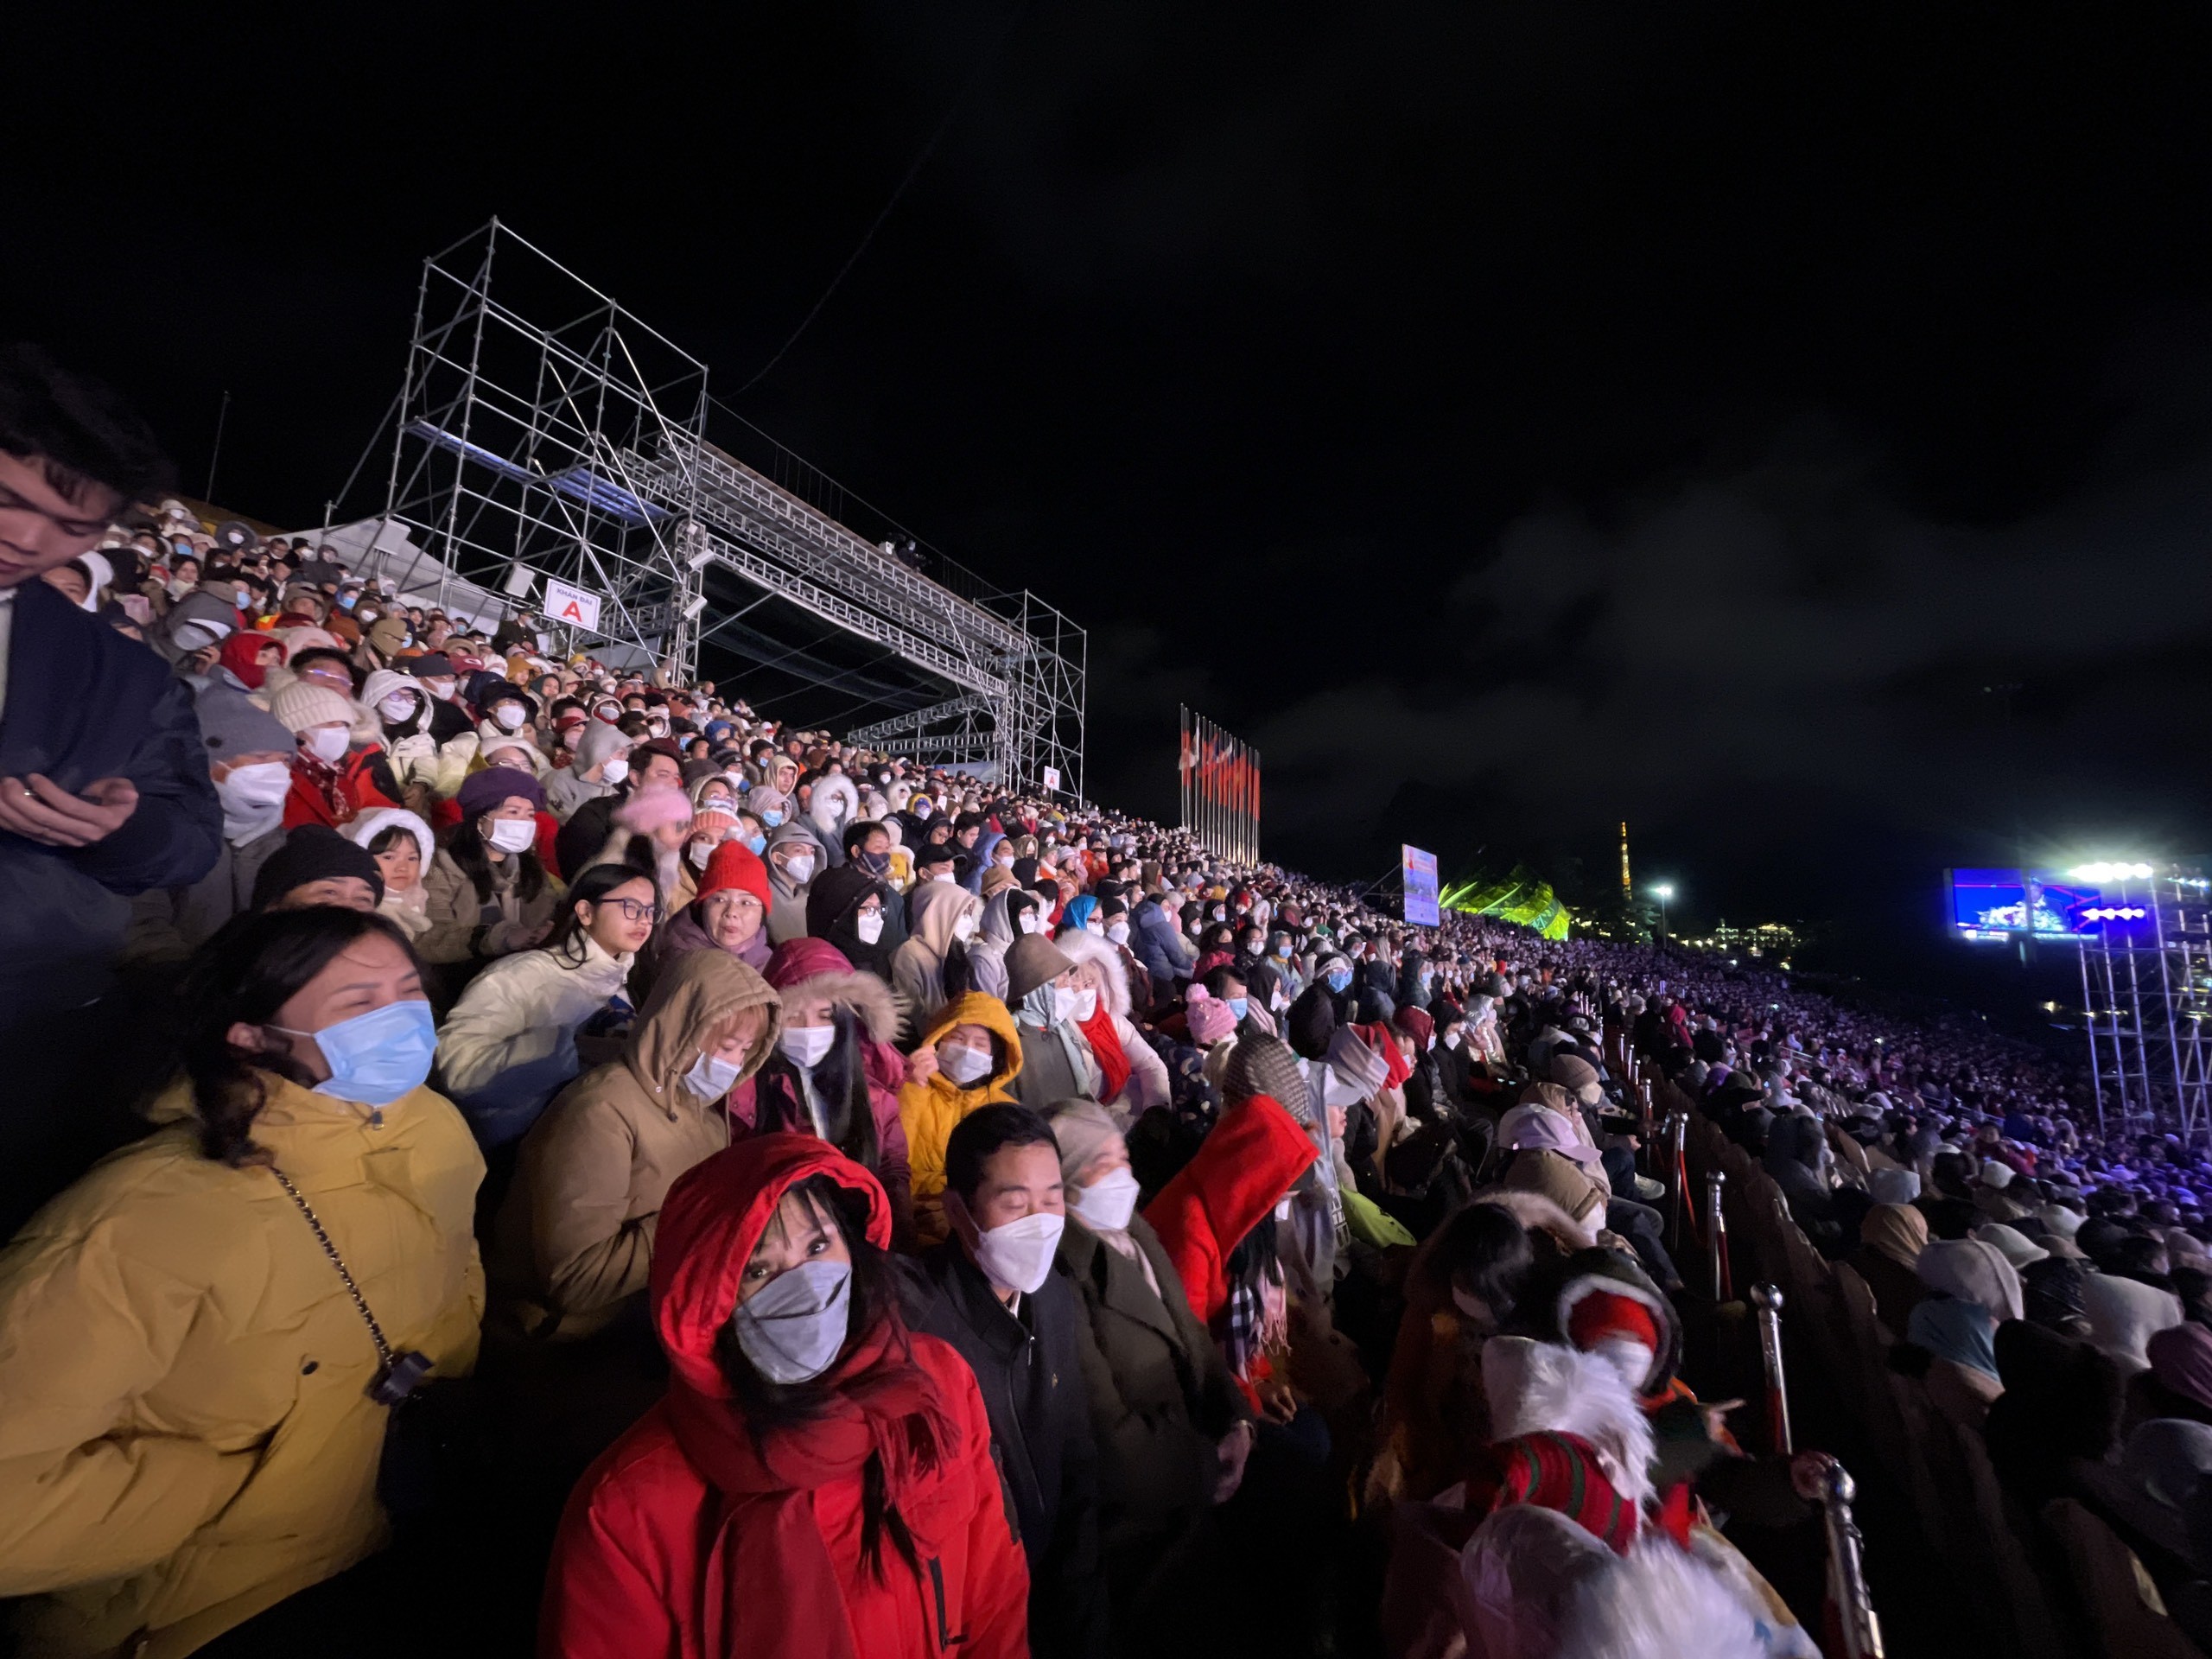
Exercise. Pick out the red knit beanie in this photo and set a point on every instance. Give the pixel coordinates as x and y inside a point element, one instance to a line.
<point>1599,1315</point>
<point>734,865</point>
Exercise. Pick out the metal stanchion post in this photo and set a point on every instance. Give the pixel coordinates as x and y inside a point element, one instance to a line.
<point>1768,1299</point>
<point>1855,1605</point>
<point>1676,1199</point>
<point>1716,1235</point>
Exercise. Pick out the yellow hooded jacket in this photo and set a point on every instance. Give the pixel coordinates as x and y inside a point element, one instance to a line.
<point>185,1433</point>
<point>932,1110</point>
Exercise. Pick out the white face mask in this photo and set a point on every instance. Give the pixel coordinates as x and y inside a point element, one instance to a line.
<point>710,1079</point>
<point>1019,1254</point>
<point>805,1046</point>
<point>964,1065</point>
<point>508,716</point>
<point>869,925</point>
<point>1095,928</point>
<point>441,690</point>
<point>800,870</point>
<point>1028,921</point>
<point>1118,931</point>
<point>197,636</point>
<point>512,834</point>
<point>701,851</point>
<point>613,771</point>
<point>329,743</point>
<point>264,784</point>
<point>1108,1202</point>
<point>964,929</point>
<point>1082,1004</point>
<point>1452,1038</point>
<point>397,706</point>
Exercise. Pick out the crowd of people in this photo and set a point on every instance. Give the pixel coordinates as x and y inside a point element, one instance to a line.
<point>742,1192</point>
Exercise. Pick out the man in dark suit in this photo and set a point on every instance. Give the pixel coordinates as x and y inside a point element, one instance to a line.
<point>104,784</point>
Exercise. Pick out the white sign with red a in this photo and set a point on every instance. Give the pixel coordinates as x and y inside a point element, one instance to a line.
<point>1052,778</point>
<point>572,607</point>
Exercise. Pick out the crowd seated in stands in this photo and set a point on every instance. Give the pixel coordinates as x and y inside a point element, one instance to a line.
<point>484,1107</point>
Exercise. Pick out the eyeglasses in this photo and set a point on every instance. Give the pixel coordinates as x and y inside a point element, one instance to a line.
<point>635,910</point>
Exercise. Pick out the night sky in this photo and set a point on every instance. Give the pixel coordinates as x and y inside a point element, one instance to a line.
<point>1511,418</point>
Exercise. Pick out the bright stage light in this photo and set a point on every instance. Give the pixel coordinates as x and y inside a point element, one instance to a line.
<point>2121,872</point>
<point>1663,891</point>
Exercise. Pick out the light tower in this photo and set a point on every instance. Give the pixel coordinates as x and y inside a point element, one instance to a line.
<point>1628,892</point>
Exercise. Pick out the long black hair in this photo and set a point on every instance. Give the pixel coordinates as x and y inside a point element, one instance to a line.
<point>566,941</point>
<point>465,846</point>
<point>769,1407</point>
<point>841,1082</point>
<point>253,966</point>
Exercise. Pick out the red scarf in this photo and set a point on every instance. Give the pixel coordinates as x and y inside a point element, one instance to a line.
<point>1106,1048</point>
<point>777,1597</point>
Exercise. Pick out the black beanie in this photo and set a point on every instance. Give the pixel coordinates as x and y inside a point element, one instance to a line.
<point>312,853</point>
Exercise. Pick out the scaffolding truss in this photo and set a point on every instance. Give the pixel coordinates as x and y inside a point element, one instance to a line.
<point>577,452</point>
<point>2146,985</point>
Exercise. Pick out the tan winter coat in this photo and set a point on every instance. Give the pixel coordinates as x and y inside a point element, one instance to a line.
<point>575,1237</point>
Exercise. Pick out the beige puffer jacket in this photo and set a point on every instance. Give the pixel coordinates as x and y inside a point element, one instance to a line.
<point>575,1237</point>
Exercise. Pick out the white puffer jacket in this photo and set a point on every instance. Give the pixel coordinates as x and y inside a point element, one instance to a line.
<point>524,1008</point>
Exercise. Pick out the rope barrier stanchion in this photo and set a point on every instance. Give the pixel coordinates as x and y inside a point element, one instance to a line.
<point>1680,1124</point>
<point>1767,1298</point>
<point>1850,1604</point>
<point>1716,1235</point>
<point>1677,1201</point>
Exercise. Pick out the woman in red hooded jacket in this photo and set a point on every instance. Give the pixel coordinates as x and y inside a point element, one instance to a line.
<point>819,1480</point>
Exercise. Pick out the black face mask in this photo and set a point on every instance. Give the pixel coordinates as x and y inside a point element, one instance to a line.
<point>874,863</point>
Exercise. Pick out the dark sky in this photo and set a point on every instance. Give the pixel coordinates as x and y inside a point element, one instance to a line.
<point>1511,418</point>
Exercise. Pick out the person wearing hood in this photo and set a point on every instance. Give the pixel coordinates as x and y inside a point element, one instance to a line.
<point>968,1059</point>
<point>1173,1431</point>
<point>574,1241</point>
<point>402,710</point>
<point>1132,1078</point>
<point>1157,941</point>
<point>931,966</point>
<point>250,759</point>
<point>1043,996</point>
<point>509,1044</point>
<point>1008,912</point>
<point>488,893</point>
<point>1890,1240</point>
<point>834,1073</point>
<point>191,636</point>
<point>601,762</point>
<point>404,848</point>
<point>850,909</point>
<point>1794,1148</point>
<point>794,858</point>
<point>818,1482</point>
<point>192,1434</point>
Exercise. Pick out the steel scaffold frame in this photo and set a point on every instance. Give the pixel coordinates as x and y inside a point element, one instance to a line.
<point>2146,992</point>
<point>579,452</point>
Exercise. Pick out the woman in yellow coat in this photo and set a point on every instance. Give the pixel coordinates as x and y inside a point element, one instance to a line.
<point>186,1431</point>
<point>967,1057</point>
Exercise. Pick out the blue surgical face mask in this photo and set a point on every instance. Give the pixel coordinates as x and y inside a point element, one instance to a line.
<point>793,1326</point>
<point>1338,979</point>
<point>1238,1005</point>
<point>771,818</point>
<point>377,1056</point>
<point>756,845</point>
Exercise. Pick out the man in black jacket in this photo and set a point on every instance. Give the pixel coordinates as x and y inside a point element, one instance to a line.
<point>990,1291</point>
<point>104,786</point>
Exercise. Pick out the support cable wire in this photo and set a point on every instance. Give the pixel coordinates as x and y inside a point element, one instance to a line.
<point>920,161</point>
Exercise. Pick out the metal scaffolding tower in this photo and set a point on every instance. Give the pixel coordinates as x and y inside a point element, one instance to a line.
<point>578,453</point>
<point>2147,984</point>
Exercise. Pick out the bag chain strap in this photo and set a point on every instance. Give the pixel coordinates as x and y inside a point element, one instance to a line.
<point>360,1302</point>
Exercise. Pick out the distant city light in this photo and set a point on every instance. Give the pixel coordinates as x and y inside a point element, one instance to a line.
<point>2110,872</point>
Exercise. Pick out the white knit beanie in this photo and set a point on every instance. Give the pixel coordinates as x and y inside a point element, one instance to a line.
<point>303,704</point>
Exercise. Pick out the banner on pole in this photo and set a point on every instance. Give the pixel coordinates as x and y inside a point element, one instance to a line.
<point>573,607</point>
<point>1418,870</point>
<point>1219,777</point>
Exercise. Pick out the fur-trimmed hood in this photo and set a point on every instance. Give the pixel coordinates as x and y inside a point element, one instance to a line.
<point>1535,1386</point>
<point>1080,947</point>
<point>1539,1214</point>
<point>801,970</point>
